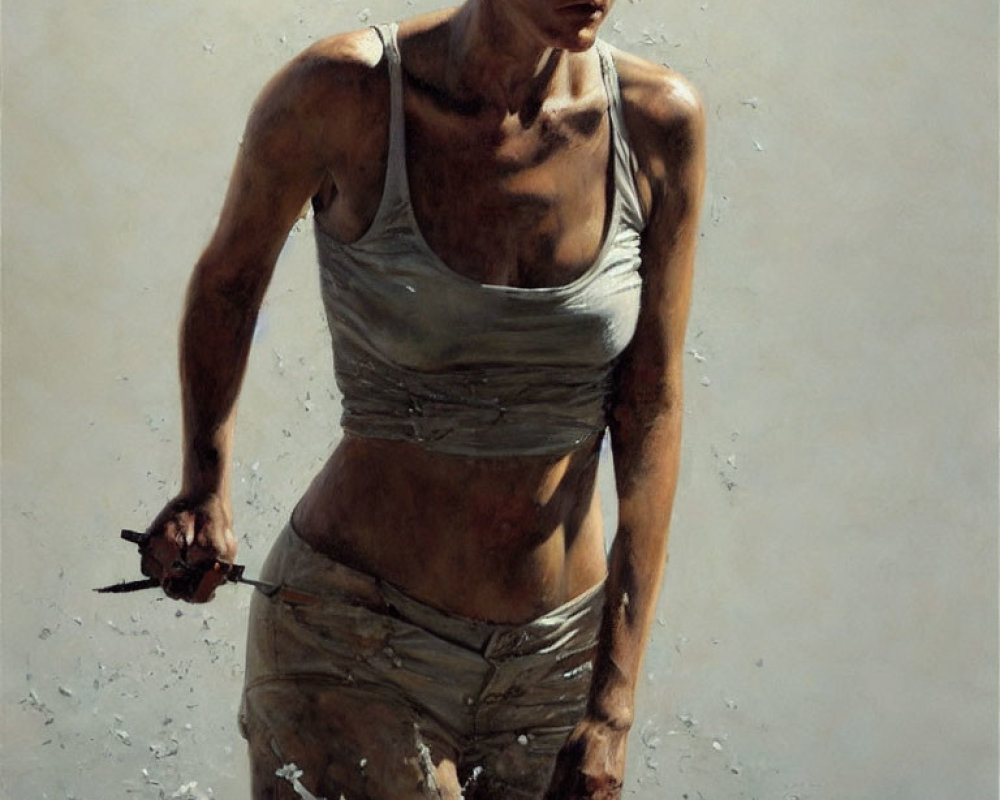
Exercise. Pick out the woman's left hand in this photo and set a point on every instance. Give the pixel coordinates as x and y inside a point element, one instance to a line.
<point>591,765</point>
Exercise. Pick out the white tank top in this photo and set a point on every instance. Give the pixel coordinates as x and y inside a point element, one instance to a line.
<point>426,355</point>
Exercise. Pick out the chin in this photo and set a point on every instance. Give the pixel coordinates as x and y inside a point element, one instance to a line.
<point>579,44</point>
<point>575,40</point>
<point>575,23</point>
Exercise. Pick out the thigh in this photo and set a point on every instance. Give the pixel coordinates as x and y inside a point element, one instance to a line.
<point>512,766</point>
<point>361,743</point>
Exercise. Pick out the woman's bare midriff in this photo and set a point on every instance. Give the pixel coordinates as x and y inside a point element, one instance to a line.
<point>498,539</point>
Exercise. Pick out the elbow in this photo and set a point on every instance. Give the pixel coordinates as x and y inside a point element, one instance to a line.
<point>225,283</point>
<point>643,412</point>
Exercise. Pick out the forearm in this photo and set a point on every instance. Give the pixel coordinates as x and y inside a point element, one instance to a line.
<point>647,478</point>
<point>215,337</point>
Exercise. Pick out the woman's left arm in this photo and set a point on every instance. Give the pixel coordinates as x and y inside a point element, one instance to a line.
<point>666,124</point>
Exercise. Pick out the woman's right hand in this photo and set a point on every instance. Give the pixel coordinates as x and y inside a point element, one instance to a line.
<point>189,545</point>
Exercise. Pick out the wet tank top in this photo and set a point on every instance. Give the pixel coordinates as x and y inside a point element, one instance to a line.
<point>426,355</point>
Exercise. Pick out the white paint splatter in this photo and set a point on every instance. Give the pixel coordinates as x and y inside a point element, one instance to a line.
<point>291,773</point>
<point>650,735</point>
<point>190,791</point>
<point>577,671</point>
<point>473,777</point>
<point>426,762</point>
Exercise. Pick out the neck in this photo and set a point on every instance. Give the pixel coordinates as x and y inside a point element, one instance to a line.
<point>495,58</point>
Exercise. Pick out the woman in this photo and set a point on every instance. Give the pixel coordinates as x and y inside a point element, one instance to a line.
<point>506,219</point>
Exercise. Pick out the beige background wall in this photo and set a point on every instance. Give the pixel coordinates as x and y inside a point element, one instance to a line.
<point>829,623</point>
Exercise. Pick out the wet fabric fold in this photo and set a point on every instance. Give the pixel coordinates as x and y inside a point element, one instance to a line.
<point>479,687</point>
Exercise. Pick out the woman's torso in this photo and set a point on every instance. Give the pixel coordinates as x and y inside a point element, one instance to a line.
<point>514,200</point>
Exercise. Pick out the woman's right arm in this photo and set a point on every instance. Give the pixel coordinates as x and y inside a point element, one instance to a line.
<point>288,151</point>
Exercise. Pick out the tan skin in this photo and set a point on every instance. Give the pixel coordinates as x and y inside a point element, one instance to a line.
<point>506,96</point>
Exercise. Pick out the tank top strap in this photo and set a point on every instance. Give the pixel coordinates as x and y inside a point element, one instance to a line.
<point>394,188</point>
<point>627,164</point>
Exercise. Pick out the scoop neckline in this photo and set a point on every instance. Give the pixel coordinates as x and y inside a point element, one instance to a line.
<point>610,228</point>
<point>401,188</point>
<point>610,232</point>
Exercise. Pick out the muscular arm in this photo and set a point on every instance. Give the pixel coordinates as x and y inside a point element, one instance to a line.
<point>647,411</point>
<point>276,172</point>
<point>667,129</point>
<point>289,149</point>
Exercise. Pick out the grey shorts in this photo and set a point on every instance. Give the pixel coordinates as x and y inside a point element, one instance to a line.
<point>368,688</point>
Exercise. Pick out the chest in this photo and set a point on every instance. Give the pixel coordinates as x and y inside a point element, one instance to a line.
<point>510,202</point>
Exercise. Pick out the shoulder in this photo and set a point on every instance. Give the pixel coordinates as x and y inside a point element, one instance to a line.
<point>665,118</point>
<point>341,62</point>
<point>315,114</point>
<point>658,100</point>
<point>338,70</point>
<point>348,68</point>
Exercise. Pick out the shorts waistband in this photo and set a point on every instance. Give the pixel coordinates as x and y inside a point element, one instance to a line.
<point>295,563</point>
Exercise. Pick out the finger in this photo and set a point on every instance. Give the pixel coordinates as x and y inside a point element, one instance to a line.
<point>177,585</point>
<point>158,554</point>
<point>186,528</point>
<point>212,538</point>
<point>198,555</point>
<point>171,532</point>
<point>183,582</point>
<point>149,566</point>
<point>210,580</point>
<point>172,589</point>
<point>213,543</point>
